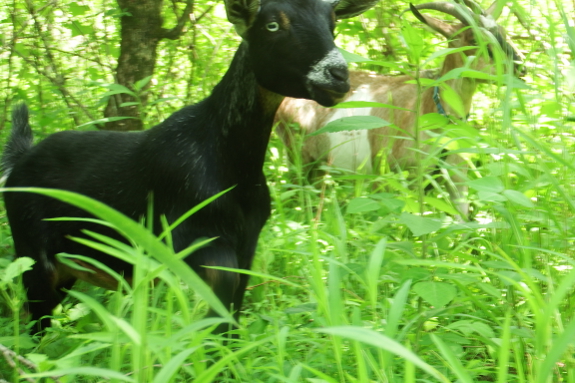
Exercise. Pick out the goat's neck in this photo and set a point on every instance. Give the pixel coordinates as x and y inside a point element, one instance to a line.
<point>464,87</point>
<point>244,113</point>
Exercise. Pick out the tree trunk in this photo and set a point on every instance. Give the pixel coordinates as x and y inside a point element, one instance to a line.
<point>141,31</point>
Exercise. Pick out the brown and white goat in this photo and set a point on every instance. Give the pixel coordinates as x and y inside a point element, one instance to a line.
<point>358,150</point>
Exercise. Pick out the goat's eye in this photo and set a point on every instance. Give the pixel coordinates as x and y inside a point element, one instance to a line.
<point>273,26</point>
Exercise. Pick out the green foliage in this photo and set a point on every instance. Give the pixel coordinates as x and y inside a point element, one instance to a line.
<point>359,278</point>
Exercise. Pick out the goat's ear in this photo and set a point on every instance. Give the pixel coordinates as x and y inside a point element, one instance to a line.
<point>436,25</point>
<point>345,9</point>
<point>242,13</point>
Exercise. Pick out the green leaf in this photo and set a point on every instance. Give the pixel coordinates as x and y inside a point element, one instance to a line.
<point>362,205</point>
<point>490,197</point>
<point>352,123</point>
<point>437,294</point>
<point>133,103</point>
<point>365,104</point>
<point>77,10</point>
<point>173,366</point>
<point>487,184</point>
<point>466,72</point>
<point>372,272</point>
<point>140,84</point>
<point>352,57</point>
<point>88,371</point>
<point>412,38</point>
<point>468,327</point>
<point>419,225</point>
<point>382,342</point>
<point>452,361</point>
<point>254,274</point>
<point>444,52</point>
<point>16,268</point>
<point>452,99</point>
<point>118,88</point>
<point>104,120</point>
<point>78,29</point>
<point>518,198</point>
<point>441,205</point>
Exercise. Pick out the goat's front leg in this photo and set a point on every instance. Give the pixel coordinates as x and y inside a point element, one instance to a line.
<point>225,284</point>
<point>455,173</point>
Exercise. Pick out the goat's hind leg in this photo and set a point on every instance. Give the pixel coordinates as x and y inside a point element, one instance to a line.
<point>44,291</point>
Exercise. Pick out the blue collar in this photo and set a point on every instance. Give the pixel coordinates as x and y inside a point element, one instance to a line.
<point>438,105</point>
<point>437,100</point>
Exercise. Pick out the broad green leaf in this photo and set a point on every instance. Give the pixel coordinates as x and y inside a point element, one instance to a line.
<point>391,65</point>
<point>352,123</point>
<point>419,225</point>
<point>453,99</point>
<point>140,84</point>
<point>432,121</point>
<point>468,327</point>
<point>303,308</point>
<point>466,72</point>
<point>437,294</point>
<point>490,197</point>
<point>118,88</point>
<point>441,205</point>
<point>352,57</point>
<point>77,10</point>
<point>362,205</point>
<point>413,40</point>
<point>16,268</point>
<point>487,184</point>
<point>518,198</point>
<point>444,52</point>
<point>78,29</point>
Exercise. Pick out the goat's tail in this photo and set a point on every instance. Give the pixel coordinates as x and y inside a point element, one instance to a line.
<point>20,140</point>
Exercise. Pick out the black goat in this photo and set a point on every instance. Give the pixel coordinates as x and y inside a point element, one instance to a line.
<point>287,50</point>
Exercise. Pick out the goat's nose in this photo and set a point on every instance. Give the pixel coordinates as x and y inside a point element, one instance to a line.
<point>339,73</point>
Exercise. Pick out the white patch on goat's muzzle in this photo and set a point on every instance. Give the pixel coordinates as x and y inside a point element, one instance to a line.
<point>320,77</point>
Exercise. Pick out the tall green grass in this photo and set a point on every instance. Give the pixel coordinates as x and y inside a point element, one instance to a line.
<point>357,278</point>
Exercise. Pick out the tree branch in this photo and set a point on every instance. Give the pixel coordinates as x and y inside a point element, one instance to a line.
<point>175,32</point>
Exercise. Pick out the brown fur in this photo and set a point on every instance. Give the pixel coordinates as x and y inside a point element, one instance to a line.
<point>394,144</point>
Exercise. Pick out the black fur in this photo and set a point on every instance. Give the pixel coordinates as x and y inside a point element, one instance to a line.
<point>195,153</point>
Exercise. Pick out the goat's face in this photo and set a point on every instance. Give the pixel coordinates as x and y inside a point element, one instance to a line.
<point>291,45</point>
<point>487,36</point>
<point>488,47</point>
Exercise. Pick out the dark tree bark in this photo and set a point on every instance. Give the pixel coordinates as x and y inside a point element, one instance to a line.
<point>141,31</point>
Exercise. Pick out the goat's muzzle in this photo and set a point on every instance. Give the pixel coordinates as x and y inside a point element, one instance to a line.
<point>328,80</point>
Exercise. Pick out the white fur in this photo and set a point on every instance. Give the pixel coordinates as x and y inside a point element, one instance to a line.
<point>350,149</point>
<point>319,75</point>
